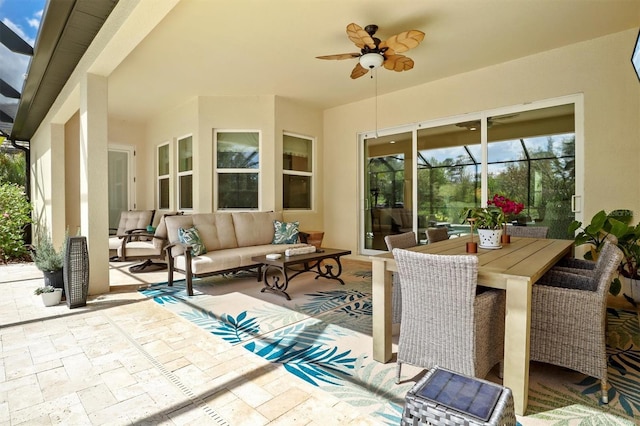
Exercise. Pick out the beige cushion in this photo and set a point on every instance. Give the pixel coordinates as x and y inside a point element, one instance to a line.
<point>140,249</point>
<point>216,230</point>
<point>221,260</point>
<point>161,231</point>
<point>254,228</point>
<point>135,219</point>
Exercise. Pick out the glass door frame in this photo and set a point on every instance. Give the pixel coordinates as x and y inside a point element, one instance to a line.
<point>576,99</point>
<point>129,151</point>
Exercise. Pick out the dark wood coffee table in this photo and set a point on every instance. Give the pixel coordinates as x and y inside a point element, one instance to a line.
<point>324,263</point>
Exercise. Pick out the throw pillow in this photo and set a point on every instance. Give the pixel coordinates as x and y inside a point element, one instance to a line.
<point>192,237</point>
<point>286,232</point>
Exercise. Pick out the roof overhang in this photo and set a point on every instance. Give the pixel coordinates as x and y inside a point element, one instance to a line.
<point>67,30</point>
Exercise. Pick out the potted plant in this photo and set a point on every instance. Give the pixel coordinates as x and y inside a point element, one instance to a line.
<point>49,260</point>
<point>603,226</point>
<point>489,222</point>
<point>50,295</point>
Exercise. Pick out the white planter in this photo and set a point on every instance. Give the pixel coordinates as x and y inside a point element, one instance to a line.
<point>52,298</point>
<point>489,238</point>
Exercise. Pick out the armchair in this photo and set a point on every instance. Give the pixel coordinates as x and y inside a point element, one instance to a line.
<point>129,221</point>
<point>444,322</point>
<point>404,240</point>
<point>568,317</point>
<point>138,244</point>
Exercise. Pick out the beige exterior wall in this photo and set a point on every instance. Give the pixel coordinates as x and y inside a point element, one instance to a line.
<point>201,116</point>
<point>599,69</point>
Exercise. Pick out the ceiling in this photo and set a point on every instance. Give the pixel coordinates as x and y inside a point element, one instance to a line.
<point>231,47</point>
<point>256,47</point>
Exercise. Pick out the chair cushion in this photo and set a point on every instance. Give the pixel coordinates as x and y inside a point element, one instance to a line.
<point>135,219</point>
<point>191,236</point>
<point>285,232</point>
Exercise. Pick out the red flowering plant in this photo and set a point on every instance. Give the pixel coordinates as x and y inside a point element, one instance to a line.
<point>509,207</point>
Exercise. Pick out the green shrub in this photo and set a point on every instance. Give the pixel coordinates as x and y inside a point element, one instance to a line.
<point>15,214</point>
<point>45,256</point>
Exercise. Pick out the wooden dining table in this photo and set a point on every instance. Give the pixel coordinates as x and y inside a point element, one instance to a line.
<point>514,267</point>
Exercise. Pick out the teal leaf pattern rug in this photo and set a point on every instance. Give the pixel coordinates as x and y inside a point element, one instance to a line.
<point>323,337</point>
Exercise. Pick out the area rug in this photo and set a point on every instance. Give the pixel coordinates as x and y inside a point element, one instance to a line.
<point>323,336</point>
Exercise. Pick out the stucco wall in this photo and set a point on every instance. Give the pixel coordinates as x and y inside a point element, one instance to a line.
<point>201,116</point>
<point>600,69</point>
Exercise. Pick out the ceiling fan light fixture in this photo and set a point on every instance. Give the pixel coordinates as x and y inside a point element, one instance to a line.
<point>371,60</point>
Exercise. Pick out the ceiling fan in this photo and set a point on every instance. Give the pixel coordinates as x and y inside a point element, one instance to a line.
<point>374,53</point>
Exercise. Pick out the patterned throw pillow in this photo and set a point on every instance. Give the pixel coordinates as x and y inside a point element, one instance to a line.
<point>192,237</point>
<point>286,232</point>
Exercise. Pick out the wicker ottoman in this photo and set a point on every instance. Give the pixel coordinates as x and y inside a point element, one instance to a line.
<point>443,397</point>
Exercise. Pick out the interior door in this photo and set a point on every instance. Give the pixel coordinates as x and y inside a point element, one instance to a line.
<point>120,183</point>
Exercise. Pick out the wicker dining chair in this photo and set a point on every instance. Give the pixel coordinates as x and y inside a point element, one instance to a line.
<point>528,231</point>
<point>568,315</point>
<point>436,234</point>
<point>444,322</point>
<point>404,240</point>
<point>582,266</point>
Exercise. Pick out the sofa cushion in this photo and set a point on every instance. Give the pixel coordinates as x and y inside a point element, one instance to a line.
<point>214,261</point>
<point>254,228</point>
<point>285,232</point>
<point>216,230</point>
<point>191,237</point>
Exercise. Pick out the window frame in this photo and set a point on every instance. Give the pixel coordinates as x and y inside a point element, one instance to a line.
<point>180,174</point>
<point>310,175</point>
<point>160,178</point>
<point>217,171</point>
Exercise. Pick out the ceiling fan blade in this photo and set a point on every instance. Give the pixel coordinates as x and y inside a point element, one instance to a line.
<point>359,36</point>
<point>404,41</point>
<point>398,63</point>
<point>358,71</point>
<point>340,56</point>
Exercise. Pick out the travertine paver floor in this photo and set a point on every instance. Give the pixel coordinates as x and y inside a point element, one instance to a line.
<point>123,359</point>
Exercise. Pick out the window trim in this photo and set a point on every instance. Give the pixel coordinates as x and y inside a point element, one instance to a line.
<point>160,177</point>
<point>218,171</point>
<point>301,173</point>
<point>180,174</point>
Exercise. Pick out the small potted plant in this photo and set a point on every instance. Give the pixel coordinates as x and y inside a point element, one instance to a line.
<point>50,295</point>
<point>49,260</point>
<point>489,222</point>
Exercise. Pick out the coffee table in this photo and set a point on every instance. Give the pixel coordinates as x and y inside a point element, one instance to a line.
<point>325,263</point>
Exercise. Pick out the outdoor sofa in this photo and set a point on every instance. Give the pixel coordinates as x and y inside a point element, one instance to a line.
<point>228,242</point>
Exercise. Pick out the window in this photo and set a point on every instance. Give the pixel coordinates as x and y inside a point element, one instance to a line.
<point>163,177</point>
<point>185,173</point>
<point>237,169</point>
<point>297,172</point>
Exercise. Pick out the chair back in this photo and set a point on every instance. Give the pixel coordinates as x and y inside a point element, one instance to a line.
<point>438,295</point>
<point>528,231</point>
<point>134,219</point>
<point>437,234</point>
<point>161,231</point>
<point>404,240</point>
<point>608,262</point>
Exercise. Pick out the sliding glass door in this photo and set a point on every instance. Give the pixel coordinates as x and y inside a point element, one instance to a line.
<point>387,188</point>
<point>428,174</point>
<point>531,160</point>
